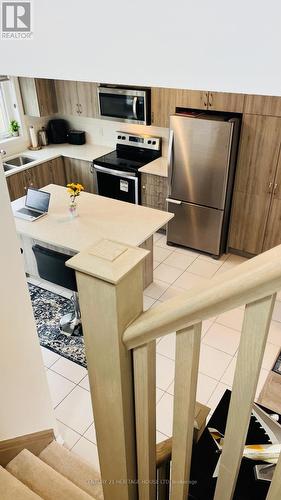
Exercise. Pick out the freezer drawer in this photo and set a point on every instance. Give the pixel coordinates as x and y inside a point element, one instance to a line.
<point>195,227</point>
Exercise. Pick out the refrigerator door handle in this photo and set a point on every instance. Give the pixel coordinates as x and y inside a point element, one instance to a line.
<point>170,159</point>
<point>176,202</point>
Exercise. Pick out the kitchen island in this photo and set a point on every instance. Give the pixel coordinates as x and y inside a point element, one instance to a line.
<point>99,218</point>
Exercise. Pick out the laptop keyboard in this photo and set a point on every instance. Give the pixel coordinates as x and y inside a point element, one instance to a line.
<point>28,211</point>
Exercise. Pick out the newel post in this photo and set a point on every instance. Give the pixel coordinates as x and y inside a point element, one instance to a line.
<point>109,277</point>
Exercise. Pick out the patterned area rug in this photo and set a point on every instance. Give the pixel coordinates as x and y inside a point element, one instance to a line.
<point>48,308</point>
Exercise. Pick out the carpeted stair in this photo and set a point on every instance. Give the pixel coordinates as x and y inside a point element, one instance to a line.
<point>56,474</point>
<point>13,489</point>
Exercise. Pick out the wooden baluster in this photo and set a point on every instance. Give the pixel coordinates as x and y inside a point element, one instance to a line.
<point>187,361</point>
<point>145,408</point>
<point>250,355</point>
<point>109,278</point>
<point>274,492</point>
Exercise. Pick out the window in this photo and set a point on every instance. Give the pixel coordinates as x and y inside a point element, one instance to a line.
<point>8,108</point>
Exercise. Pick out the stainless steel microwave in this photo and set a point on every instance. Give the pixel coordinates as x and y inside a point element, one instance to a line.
<point>125,105</point>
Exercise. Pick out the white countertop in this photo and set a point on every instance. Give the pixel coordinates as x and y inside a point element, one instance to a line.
<point>156,167</point>
<point>87,152</point>
<point>98,218</point>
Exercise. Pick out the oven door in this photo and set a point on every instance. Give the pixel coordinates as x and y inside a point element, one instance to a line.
<point>115,184</point>
<point>123,105</point>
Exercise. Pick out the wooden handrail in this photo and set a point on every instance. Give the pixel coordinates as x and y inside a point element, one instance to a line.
<point>253,280</point>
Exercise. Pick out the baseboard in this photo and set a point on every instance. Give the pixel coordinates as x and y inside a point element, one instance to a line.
<point>240,253</point>
<point>35,442</point>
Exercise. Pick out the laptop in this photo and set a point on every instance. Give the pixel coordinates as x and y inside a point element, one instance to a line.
<point>36,205</point>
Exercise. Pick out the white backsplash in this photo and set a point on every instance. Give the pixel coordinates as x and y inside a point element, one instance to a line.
<point>103,132</point>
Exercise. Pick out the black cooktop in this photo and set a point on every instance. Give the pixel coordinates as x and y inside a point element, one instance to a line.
<point>127,158</point>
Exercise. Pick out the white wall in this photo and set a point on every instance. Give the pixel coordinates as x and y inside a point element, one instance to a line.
<point>25,404</point>
<point>202,44</point>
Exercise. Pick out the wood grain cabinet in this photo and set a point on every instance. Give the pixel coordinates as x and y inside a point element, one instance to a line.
<point>154,191</point>
<point>165,101</point>
<point>38,96</point>
<point>77,98</point>
<point>263,105</point>
<point>16,185</point>
<point>50,172</point>
<point>225,101</point>
<point>256,205</point>
<point>80,171</point>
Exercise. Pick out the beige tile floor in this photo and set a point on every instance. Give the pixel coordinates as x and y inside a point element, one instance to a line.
<point>175,270</point>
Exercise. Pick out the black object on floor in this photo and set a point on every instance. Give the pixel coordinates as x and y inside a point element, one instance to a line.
<point>205,458</point>
<point>48,308</point>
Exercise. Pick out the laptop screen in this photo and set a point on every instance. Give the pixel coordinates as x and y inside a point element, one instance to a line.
<point>38,200</point>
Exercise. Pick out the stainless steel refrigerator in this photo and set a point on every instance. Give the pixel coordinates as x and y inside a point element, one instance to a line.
<point>202,158</point>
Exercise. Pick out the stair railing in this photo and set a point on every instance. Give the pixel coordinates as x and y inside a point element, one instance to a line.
<point>120,348</point>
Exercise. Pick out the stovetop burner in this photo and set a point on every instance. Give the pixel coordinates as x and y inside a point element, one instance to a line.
<point>132,152</point>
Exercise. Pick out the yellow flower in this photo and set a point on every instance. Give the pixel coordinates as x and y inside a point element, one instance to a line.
<point>74,188</point>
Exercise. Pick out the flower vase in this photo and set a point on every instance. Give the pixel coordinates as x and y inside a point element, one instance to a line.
<point>73,209</point>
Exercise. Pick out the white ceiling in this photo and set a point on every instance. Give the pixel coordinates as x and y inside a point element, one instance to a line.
<point>201,44</point>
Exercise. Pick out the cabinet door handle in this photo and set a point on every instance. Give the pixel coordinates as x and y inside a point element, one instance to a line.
<point>210,99</point>
<point>81,109</point>
<point>205,102</point>
<point>275,187</point>
<point>143,187</point>
<point>270,187</point>
<point>77,109</point>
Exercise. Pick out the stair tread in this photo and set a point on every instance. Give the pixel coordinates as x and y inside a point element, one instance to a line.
<point>74,468</point>
<point>43,479</point>
<point>13,489</point>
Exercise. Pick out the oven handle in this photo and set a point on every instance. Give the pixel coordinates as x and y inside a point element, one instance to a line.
<point>118,173</point>
<point>135,101</point>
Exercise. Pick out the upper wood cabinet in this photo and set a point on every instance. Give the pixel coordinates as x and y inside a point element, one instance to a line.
<point>225,101</point>
<point>77,98</point>
<point>67,98</point>
<point>263,105</point>
<point>38,96</point>
<point>165,101</point>
<point>254,184</point>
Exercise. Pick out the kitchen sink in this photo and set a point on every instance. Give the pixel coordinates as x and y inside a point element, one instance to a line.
<point>19,161</point>
<point>8,167</point>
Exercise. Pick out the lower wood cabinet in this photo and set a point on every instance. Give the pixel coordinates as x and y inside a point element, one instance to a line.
<point>80,171</point>
<point>17,185</point>
<point>154,191</point>
<point>50,172</point>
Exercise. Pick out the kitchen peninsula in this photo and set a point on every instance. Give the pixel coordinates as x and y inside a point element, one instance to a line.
<point>98,218</point>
